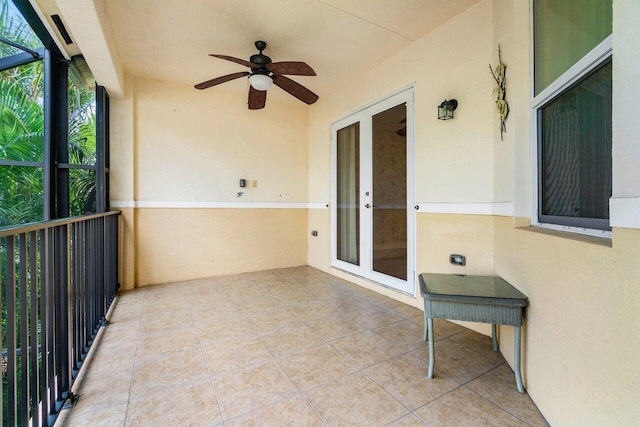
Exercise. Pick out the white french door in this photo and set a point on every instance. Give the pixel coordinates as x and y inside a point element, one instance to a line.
<point>372,211</point>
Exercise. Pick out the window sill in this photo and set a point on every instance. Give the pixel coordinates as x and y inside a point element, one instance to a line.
<point>600,241</point>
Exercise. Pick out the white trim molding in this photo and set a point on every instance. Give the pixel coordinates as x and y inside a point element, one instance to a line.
<point>624,212</point>
<point>318,205</point>
<point>167,204</point>
<point>122,204</point>
<point>485,208</point>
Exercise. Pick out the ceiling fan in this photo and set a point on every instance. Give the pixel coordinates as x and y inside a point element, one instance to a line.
<point>403,130</point>
<point>263,74</point>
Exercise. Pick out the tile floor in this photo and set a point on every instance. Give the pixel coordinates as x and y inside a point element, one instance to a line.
<point>287,347</point>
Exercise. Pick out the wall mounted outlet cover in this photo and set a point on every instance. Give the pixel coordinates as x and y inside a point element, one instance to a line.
<point>457,259</point>
<point>243,183</point>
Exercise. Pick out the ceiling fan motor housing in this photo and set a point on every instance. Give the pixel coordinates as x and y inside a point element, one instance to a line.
<point>260,59</point>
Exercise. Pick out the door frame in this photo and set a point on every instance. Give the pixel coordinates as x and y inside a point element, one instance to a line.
<point>364,117</point>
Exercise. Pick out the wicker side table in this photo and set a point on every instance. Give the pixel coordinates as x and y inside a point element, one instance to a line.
<point>485,299</point>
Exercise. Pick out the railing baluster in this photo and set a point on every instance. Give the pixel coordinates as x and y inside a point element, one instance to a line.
<point>44,281</point>
<point>82,285</point>
<point>23,390</point>
<point>11,331</point>
<point>68,300</point>
<point>77,306</point>
<point>92,275</point>
<point>82,277</point>
<point>33,350</point>
<point>100,262</point>
<point>59,311</point>
<point>50,305</point>
<point>2,286</point>
<point>115,262</point>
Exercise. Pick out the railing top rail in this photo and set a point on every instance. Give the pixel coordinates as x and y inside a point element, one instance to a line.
<point>35,226</point>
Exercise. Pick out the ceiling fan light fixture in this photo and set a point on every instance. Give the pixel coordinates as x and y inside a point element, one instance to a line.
<point>260,81</point>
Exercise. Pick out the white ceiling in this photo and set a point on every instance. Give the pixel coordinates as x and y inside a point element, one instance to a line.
<point>170,40</point>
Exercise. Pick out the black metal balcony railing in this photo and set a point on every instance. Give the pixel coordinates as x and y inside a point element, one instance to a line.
<point>58,280</point>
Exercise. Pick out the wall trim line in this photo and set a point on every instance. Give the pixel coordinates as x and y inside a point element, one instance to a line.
<point>483,208</point>
<point>168,204</point>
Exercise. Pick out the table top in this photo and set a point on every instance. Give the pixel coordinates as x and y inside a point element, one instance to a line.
<point>467,286</point>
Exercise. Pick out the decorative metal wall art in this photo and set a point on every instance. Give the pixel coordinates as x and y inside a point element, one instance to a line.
<point>499,92</point>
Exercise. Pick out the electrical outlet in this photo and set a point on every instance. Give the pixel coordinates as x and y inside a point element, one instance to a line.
<point>457,259</point>
<point>243,183</point>
<point>314,233</point>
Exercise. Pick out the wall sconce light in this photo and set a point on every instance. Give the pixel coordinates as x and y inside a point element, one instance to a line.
<point>445,110</point>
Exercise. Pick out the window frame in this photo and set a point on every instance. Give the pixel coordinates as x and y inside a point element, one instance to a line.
<point>597,57</point>
<point>55,164</point>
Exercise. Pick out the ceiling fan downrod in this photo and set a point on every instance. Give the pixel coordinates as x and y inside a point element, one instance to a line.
<point>260,59</point>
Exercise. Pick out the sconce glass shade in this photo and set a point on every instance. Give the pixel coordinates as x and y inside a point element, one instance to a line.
<point>260,81</point>
<point>445,110</point>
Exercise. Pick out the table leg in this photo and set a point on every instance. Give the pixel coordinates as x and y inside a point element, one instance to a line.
<point>516,362</point>
<point>494,337</point>
<point>432,355</point>
<point>424,337</point>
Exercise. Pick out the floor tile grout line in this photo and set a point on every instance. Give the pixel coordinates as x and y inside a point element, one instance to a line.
<point>465,385</point>
<point>361,371</point>
<point>258,335</point>
<point>293,382</point>
<point>135,358</point>
<point>211,381</point>
<point>472,350</point>
<point>403,416</point>
<point>494,403</point>
<point>358,369</point>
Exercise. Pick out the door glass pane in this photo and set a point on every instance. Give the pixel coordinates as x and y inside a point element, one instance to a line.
<point>348,192</point>
<point>575,145</point>
<point>389,188</point>
<point>565,31</point>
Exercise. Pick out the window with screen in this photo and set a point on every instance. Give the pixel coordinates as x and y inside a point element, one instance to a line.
<point>573,110</point>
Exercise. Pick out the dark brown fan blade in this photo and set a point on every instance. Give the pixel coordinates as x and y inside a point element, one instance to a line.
<point>221,79</point>
<point>236,60</point>
<point>295,89</point>
<point>291,68</point>
<point>257,98</point>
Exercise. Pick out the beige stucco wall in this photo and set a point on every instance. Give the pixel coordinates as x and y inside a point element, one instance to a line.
<point>194,145</point>
<point>581,335</point>
<point>177,154</point>
<point>181,244</point>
